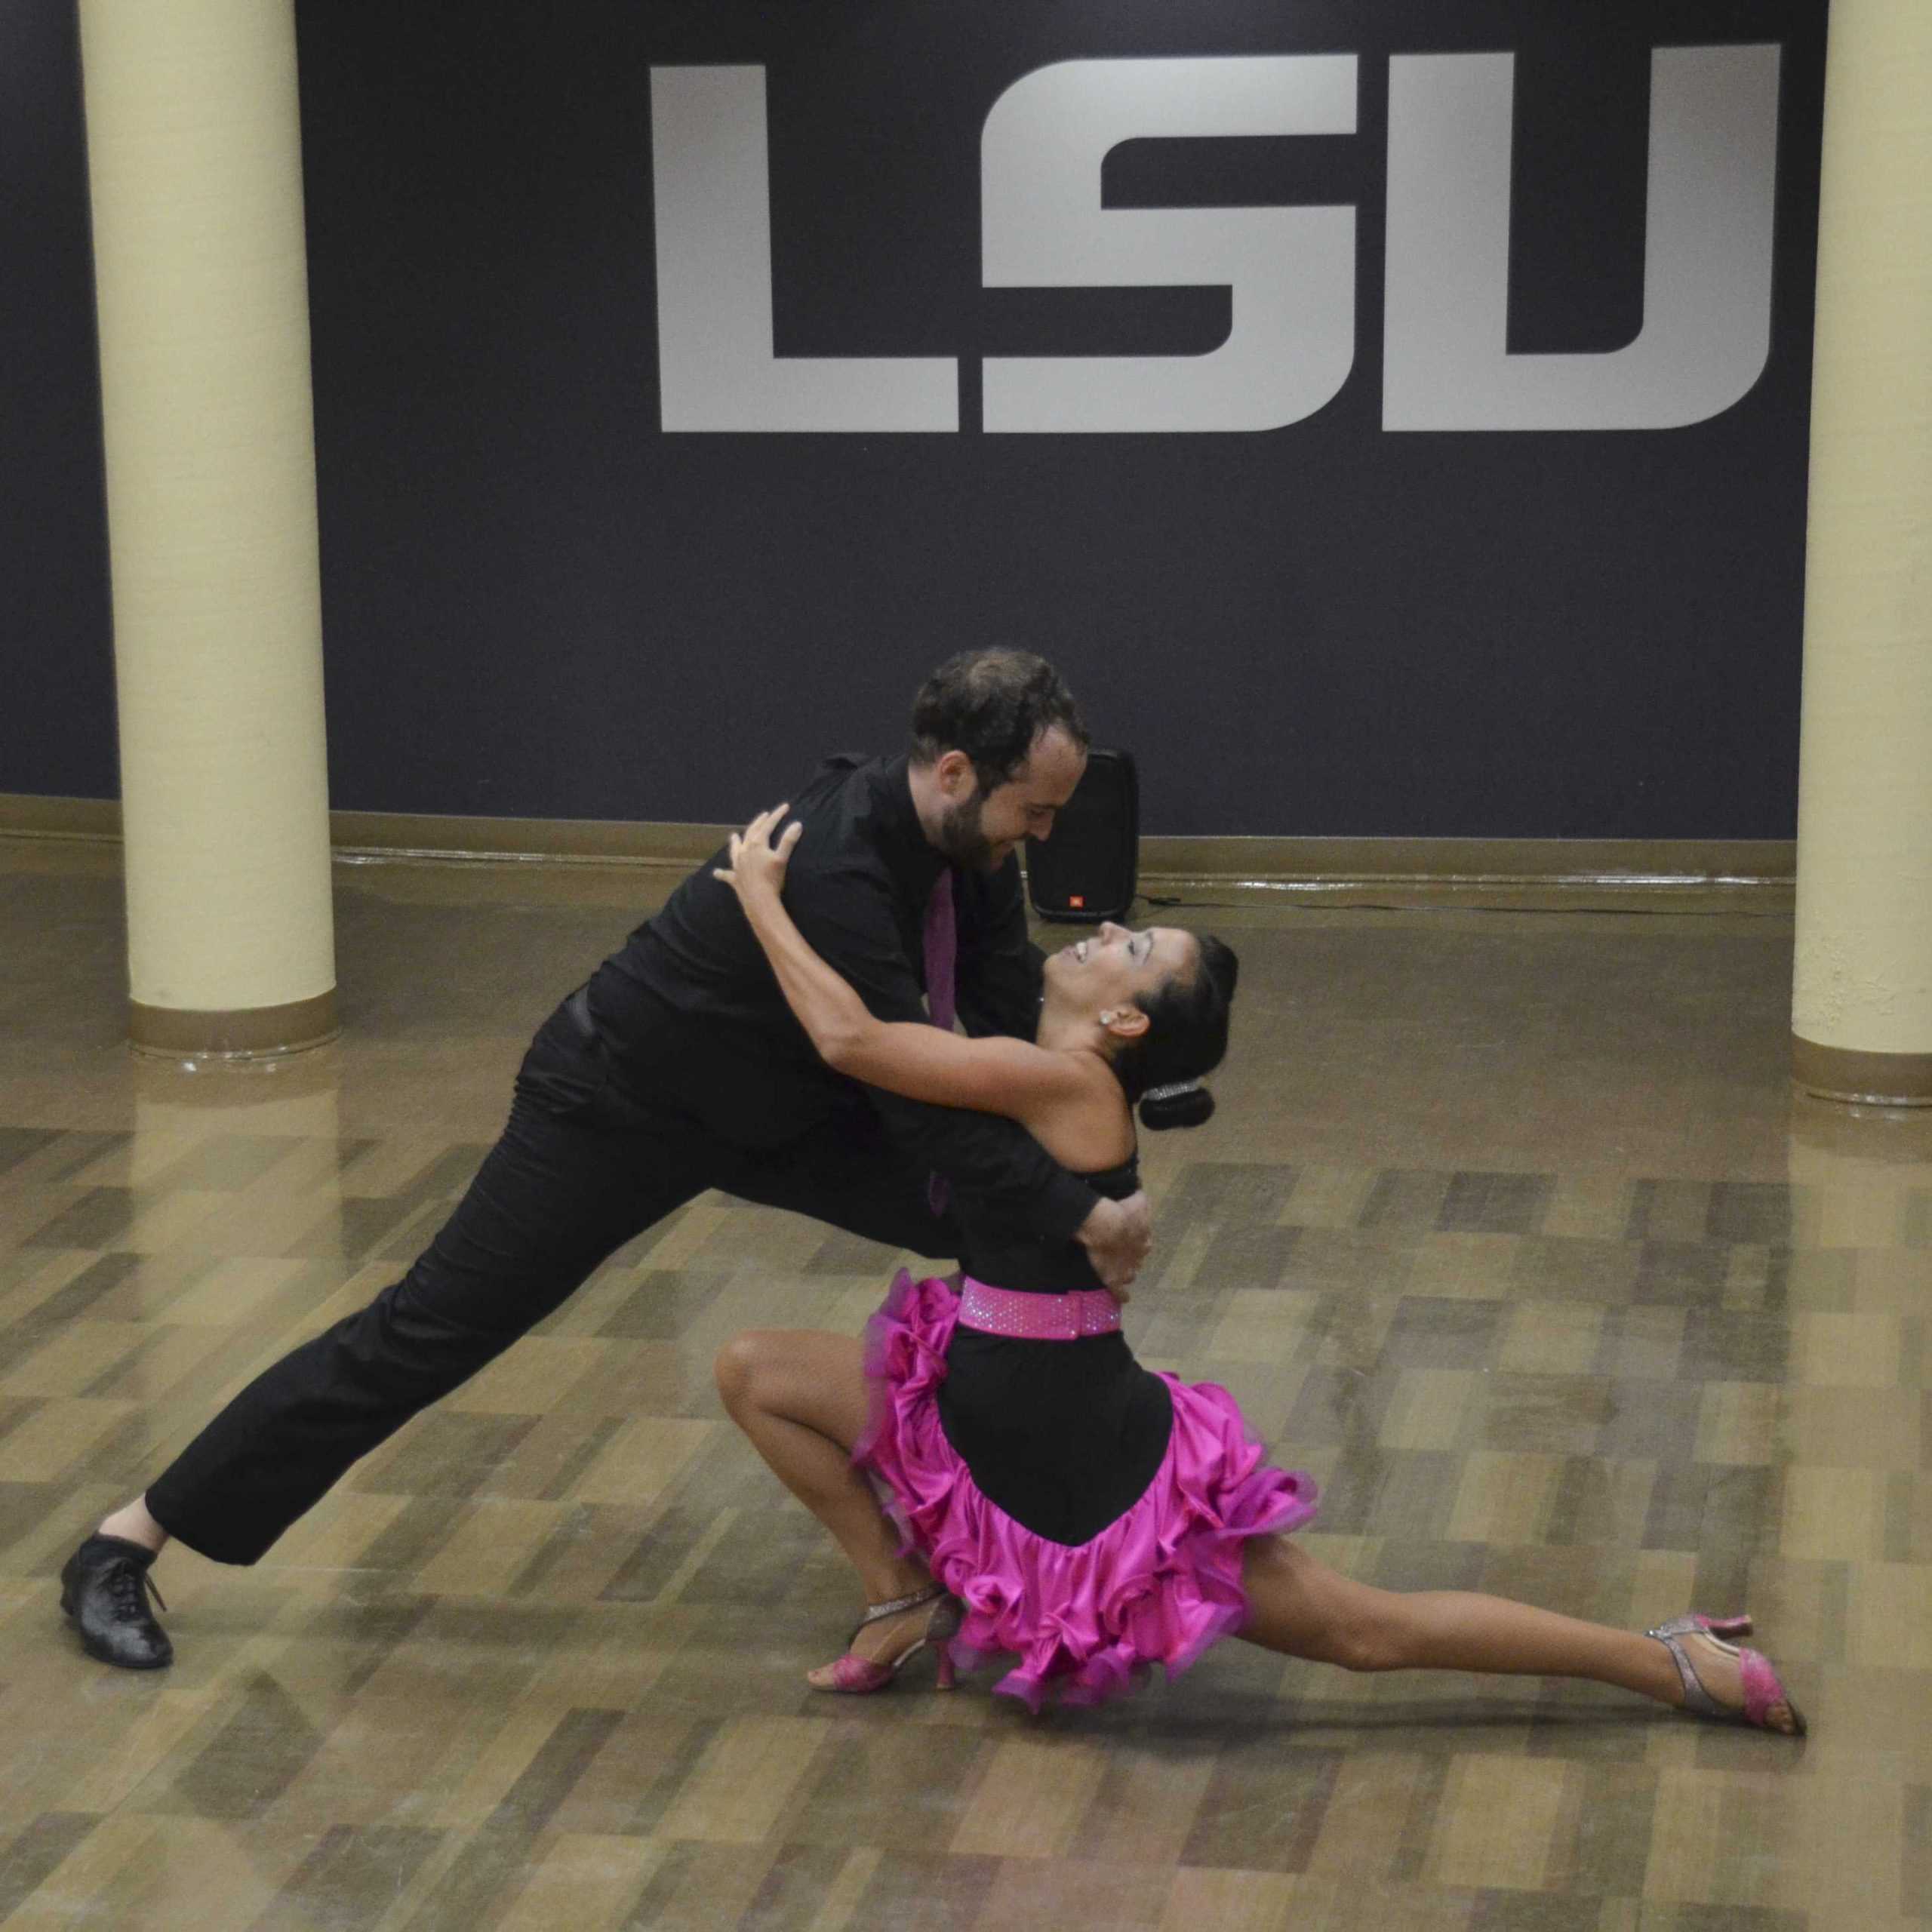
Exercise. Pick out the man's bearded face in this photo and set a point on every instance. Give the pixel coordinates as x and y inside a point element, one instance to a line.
<point>962,838</point>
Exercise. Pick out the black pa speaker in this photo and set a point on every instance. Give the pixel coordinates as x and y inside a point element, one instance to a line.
<point>1088,868</point>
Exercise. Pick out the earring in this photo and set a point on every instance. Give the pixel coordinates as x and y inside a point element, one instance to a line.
<point>1107,1018</point>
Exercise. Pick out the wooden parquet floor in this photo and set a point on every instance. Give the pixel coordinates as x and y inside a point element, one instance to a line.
<point>1508,1230</point>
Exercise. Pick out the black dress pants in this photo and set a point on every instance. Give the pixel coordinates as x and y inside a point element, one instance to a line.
<point>580,1169</point>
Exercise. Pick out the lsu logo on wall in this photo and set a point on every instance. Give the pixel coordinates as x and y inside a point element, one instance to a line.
<point>1291,271</point>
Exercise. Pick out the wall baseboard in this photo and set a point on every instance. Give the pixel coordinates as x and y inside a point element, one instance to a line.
<point>1634,864</point>
<point>29,815</point>
<point>1674,868</point>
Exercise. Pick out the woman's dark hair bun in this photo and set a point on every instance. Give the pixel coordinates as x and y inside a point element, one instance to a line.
<point>1161,1108</point>
<point>1185,1038</point>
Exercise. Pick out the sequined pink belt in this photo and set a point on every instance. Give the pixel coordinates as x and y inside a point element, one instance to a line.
<point>1067,1317</point>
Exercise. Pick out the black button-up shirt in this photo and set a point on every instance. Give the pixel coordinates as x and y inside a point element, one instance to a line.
<point>693,1015</point>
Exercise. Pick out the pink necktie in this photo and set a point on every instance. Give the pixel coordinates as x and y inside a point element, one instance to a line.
<point>942,952</point>
<point>942,962</point>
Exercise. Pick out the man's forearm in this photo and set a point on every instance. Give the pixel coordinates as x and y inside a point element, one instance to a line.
<point>1064,1206</point>
<point>995,1162</point>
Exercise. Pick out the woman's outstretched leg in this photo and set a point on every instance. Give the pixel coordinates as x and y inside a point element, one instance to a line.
<point>1300,1606</point>
<point>800,1395</point>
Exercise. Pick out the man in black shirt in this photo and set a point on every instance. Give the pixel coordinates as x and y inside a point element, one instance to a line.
<point>678,1068</point>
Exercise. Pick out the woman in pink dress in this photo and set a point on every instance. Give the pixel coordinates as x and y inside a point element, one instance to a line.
<point>1045,1495</point>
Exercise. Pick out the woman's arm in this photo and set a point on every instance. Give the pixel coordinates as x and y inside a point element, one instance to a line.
<point>996,1075</point>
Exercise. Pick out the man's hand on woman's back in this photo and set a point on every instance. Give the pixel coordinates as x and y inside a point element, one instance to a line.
<point>1117,1236</point>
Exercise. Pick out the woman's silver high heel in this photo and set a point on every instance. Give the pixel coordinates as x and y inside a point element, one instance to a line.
<point>1763,1691</point>
<point>856,1676</point>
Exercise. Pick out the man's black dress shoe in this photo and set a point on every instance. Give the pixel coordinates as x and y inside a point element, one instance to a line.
<point>104,1589</point>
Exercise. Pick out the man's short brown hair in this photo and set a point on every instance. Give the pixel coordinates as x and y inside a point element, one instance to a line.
<point>993,705</point>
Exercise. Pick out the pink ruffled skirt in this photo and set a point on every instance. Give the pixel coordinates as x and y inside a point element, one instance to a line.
<point>1157,1585</point>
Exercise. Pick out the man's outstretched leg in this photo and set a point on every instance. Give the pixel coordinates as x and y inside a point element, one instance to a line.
<point>559,1192</point>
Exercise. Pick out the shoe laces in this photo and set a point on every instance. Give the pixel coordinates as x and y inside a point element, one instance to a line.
<point>132,1583</point>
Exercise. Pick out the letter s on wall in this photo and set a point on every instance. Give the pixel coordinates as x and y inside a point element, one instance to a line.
<point>1291,270</point>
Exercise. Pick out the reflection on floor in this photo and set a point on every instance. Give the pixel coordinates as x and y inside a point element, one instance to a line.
<point>1509,1229</point>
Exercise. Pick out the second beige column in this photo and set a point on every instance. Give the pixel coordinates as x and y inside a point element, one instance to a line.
<point>1862,997</point>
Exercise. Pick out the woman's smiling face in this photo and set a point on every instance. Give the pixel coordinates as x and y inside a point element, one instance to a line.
<point>1117,968</point>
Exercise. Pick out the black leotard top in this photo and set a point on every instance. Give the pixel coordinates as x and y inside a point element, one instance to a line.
<point>1063,1436</point>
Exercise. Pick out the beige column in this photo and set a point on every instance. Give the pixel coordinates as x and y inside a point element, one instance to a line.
<point>195,163</point>
<point>1861,1003</point>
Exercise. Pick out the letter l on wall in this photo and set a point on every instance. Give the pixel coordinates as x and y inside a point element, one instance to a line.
<point>717,367</point>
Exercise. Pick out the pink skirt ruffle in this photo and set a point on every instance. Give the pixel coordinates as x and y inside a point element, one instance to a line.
<point>1157,1585</point>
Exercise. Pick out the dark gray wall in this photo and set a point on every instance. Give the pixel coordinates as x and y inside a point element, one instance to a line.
<point>57,687</point>
<point>536,602</point>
